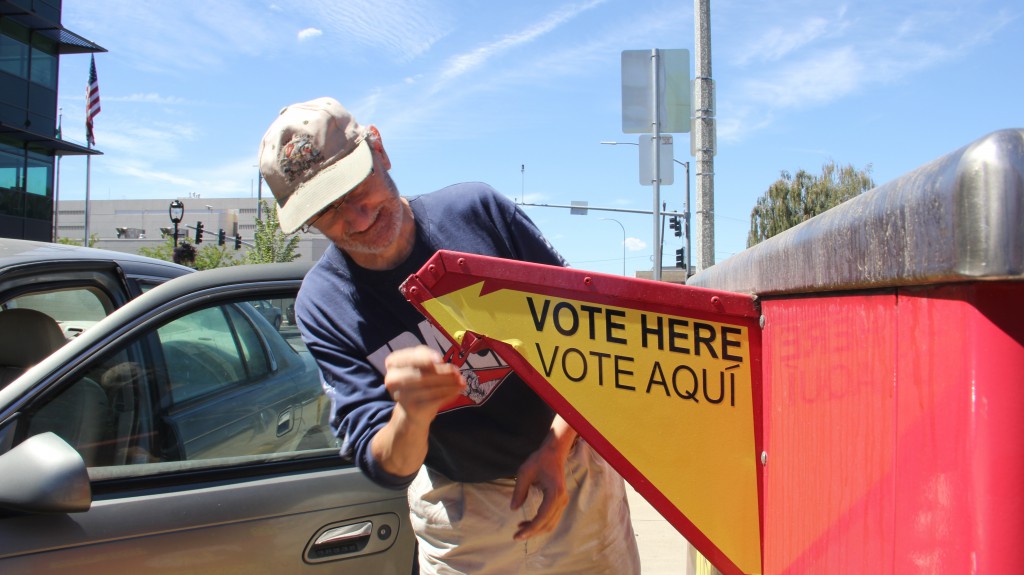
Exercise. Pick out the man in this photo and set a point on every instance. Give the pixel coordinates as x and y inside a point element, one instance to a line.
<point>497,482</point>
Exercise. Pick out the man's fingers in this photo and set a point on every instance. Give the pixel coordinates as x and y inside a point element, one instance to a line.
<point>548,514</point>
<point>545,521</point>
<point>419,356</point>
<point>420,381</point>
<point>425,393</point>
<point>519,493</point>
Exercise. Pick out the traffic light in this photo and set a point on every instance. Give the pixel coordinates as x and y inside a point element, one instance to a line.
<point>673,223</point>
<point>680,258</point>
<point>199,232</point>
<point>238,241</point>
<point>222,237</point>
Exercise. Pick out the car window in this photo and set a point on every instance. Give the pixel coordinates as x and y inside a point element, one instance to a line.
<point>204,353</point>
<point>209,388</point>
<point>146,285</point>
<point>75,308</point>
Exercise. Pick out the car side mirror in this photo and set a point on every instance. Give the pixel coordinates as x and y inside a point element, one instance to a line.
<point>43,474</point>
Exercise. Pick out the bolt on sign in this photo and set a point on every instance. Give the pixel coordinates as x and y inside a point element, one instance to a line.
<point>664,381</point>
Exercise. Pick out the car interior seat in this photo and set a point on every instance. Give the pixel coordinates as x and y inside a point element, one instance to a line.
<point>79,414</point>
<point>26,337</point>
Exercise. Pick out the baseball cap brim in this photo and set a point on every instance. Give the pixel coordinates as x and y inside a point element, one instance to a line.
<point>330,184</point>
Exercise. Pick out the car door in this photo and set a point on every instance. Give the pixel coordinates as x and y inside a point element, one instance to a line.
<point>201,437</point>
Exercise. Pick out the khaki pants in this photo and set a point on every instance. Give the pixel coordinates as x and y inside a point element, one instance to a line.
<point>467,528</point>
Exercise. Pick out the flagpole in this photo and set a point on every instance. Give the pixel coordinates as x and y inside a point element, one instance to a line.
<point>92,101</point>
<point>88,177</point>
<point>56,185</point>
<point>56,204</point>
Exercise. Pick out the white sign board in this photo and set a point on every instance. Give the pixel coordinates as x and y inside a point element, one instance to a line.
<point>673,96</point>
<point>664,159</point>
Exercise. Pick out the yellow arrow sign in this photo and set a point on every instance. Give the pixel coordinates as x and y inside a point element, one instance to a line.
<point>665,394</point>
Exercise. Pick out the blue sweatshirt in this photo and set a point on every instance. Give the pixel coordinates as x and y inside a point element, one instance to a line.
<point>351,318</point>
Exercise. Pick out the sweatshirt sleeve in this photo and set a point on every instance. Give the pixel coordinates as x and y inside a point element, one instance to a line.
<point>360,405</point>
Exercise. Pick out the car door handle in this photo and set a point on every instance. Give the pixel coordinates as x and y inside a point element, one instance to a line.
<point>353,537</point>
<point>284,422</point>
<point>342,540</point>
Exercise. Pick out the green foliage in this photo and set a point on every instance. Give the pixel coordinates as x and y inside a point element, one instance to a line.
<point>214,256</point>
<point>164,251</point>
<point>207,257</point>
<point>271,245</point>
<point>93,238</point>
<point>794,199</point>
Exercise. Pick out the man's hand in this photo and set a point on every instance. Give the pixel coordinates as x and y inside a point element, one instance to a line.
<point>421,383</point>
<point>545,469</point>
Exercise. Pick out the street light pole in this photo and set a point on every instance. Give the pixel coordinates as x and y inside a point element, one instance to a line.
<point>623,242</point>
<point>176,211</point>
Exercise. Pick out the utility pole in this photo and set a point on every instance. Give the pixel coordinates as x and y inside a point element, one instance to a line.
<point>704,135</point>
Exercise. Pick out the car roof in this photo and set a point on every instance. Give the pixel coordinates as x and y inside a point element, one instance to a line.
<point>14,252</point>
<point>216,278</point>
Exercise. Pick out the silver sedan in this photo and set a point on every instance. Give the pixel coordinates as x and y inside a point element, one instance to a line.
<point>183,433</point>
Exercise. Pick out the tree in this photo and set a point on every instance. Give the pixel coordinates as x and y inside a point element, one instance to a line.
<point>208,257</point>
<point>214,256</point>
<point>93,238</point>
<point>794,199</point>
<point>164,251</point>
<point>271,245</point>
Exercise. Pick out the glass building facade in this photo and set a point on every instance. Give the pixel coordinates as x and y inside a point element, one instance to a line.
<point>31,43</point>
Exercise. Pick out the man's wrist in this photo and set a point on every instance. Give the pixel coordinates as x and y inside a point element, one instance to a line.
<point>401,445</point>
<point>561,438</point>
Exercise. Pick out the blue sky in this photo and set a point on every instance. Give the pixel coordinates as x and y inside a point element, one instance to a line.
<point>466,90</point>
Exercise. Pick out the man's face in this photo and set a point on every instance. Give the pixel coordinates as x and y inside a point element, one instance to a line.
<point>368,220</point>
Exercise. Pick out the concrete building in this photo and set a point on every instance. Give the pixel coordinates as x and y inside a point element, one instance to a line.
<point>128,225</point>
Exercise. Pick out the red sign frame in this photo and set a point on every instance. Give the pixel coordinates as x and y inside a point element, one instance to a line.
<point>447,272</point>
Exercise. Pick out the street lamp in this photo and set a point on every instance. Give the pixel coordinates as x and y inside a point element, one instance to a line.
<point>623,242</point>
<point>686,203</point>
<point>176,211</point>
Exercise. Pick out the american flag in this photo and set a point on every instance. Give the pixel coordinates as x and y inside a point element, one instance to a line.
<point>92,98</point>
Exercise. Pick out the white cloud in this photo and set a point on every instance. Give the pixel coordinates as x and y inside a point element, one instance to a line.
<point>534,198</point>
<point>821,78</point>
<point>779,41</point>
<point>819,60</point>
<point>150,98</point>
<point>635,244</point>
<point>403,29</point>
<point>165,37</point>
<point>147,174</point>
<point>309,34</point>
<point>463,63</point>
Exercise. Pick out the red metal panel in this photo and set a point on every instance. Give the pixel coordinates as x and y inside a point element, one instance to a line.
<point>893,434</point>
<point>830,371</point>
<point>960,506</point>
